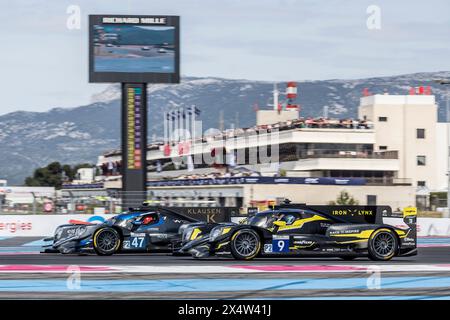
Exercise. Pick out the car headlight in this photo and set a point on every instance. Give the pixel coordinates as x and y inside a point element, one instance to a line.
<point>183,228</point>
<point>215,233</point>
<point>111,220</point>
<point>187,234</point>
<point>218,231</point>
<point>80,231</point>
<point>58,233</point>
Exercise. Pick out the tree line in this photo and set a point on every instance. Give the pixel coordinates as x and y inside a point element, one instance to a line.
<point>54,174</point>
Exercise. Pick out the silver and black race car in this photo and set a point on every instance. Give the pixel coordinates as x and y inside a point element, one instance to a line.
<point>307,231</point>
<point>141,229</point>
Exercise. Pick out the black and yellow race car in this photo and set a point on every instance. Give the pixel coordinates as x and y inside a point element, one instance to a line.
<point>300,230</point>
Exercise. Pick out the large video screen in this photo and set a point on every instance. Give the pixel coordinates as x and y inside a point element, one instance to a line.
<point>134,49</point>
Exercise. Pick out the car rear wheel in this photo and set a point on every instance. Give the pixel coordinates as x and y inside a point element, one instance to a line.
<point>383,245</point>
<point>245,244</point>
<point>106,241</point>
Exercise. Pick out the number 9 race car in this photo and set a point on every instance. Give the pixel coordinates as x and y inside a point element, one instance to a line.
<point>300,230</point>
<point>141,229</point>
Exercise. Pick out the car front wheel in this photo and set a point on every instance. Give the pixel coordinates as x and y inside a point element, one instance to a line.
<point>245,244</point>
<point>106,241</point>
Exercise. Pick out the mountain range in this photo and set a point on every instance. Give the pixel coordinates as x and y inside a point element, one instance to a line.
<point>32,139</point>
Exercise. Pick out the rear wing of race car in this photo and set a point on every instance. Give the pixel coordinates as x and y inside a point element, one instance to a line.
<point>410,219</point>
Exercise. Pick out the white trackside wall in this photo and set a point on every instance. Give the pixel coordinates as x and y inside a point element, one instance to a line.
<point>45,225</point>
<point>41,225</point>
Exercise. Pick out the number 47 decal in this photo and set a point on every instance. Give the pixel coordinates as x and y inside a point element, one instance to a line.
<point>137,242</point>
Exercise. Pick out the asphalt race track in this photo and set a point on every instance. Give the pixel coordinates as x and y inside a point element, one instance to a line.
<point>24,273</point>
<point>426,255</point>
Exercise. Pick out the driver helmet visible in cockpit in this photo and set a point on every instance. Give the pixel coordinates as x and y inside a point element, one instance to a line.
<point>288,218</point>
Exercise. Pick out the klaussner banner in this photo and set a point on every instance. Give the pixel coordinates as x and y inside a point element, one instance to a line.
<point>257,180</point>
<point>208,214</point>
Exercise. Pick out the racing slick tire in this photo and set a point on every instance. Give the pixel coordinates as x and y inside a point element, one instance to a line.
<point>106,241</point>
<point>383,245</point>
<point>245,244</point>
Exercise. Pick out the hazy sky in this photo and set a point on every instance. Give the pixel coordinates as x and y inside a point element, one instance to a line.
<point>44,64</point>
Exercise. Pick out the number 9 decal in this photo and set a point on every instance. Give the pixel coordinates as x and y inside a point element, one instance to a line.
<point>280,245</point>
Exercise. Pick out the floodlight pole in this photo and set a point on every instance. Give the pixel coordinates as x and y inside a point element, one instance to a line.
<point>134,144</point>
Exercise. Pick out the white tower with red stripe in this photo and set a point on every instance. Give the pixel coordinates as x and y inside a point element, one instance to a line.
<point>283,109</point>
<point>291,95</point>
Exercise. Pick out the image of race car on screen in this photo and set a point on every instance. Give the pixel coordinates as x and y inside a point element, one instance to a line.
<point>134,49</point>
<point>137,230</point>
<point>300,230</point>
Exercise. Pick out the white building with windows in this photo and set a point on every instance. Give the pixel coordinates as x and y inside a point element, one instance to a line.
<point>407,124</point>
